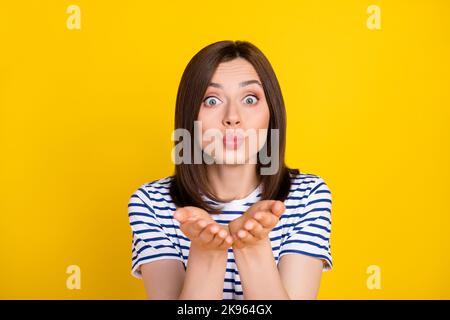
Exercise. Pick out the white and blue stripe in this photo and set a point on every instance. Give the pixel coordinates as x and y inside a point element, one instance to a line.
<point>304,228</point>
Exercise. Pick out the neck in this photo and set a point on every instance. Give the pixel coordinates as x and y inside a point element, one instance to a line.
<point>232,182</point>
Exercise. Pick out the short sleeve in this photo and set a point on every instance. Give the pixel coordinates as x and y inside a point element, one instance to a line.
<point>310,231</point>
<point>149,241</point>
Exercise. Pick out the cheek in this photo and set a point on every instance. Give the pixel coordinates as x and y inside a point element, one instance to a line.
<point>206,124</point>
<point>208,118</point>
<point>208,121</point>
<point>259,119</point>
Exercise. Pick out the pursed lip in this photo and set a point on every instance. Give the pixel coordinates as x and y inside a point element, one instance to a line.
<point>232,141</point>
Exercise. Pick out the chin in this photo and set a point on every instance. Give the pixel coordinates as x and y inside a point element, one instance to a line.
<point>232,157</point>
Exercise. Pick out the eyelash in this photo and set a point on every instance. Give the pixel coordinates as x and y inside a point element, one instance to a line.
<point>249,95</point>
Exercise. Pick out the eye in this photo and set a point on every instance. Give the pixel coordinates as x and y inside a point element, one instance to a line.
<point>213,101</point>
<point>251,99</point>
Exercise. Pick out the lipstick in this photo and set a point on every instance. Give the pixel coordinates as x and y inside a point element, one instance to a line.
<point>232,141</point>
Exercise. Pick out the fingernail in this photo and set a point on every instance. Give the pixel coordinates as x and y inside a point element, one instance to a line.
<point>279,206</point>
<point>202,223</point>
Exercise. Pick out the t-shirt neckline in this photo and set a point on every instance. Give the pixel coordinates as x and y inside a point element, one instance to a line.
<point>250,198</point>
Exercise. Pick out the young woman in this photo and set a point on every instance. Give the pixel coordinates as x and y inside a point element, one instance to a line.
<point>223,229</point>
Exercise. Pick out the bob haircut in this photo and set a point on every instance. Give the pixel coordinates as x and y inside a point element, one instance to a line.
<point>190,180</point>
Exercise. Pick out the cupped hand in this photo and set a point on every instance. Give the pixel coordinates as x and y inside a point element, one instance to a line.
<point>202,230</point>
<point>254,226</point>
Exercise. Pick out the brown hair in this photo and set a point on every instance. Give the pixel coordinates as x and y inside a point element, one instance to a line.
<point>190,179</point>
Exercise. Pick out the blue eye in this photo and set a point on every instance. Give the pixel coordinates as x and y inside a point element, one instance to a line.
<point>213,101</point>
<point>248,99</point>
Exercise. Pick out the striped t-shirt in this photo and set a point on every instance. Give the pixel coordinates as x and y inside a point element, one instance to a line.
<point>304,228</point>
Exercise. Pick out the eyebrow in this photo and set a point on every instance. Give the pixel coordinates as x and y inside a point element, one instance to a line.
<point>242,84</point>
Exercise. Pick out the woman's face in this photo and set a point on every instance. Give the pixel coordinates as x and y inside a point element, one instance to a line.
<point>235,113</point>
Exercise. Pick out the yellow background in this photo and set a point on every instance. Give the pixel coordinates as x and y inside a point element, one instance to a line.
<point>86,118</point>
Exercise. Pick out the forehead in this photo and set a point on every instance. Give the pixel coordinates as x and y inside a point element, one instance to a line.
<point>235,70</point>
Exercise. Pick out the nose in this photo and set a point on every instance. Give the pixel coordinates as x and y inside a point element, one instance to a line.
<point>231,122</point>
<point>231,118</point>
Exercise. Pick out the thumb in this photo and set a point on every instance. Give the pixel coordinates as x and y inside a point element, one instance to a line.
<point>278,208</point>
<point>181,215</point>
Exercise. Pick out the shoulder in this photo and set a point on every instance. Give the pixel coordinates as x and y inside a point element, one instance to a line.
<point>304,185</point>
<point>153,189</point>
<point>152,193</point>
<point>306,222</point>
<point>309,196</point>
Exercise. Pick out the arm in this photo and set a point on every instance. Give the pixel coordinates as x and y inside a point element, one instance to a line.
<point>302,285</point>
<point>255,261</point>
<point>163,273</point>
<point>258,272</point>
<point>305,252</point>
<point>203,279</point>
<point>284,282</point>
<point>155,259</point>
<point>208,254</point>
<point>204,274</point>
<point>163,279</point>
<point>303,255</point>
<point>253,251</point>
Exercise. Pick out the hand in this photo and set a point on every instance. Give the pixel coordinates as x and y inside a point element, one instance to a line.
<point>202,230</point>
<point>254,226</point>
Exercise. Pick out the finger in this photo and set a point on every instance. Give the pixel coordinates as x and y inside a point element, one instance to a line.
<point>219,238</point>
<point>262,205</point>
<point>200,224</point>
<point>245,236</point>
<point>250,224</point>
<point>266,219</point>
<point>208,232</point>
<point>227,242</point>
<point>278,208</point>
<point>237,243</point>
<point>255,228</point>
<point>195,227</point>
<point>181,214</point>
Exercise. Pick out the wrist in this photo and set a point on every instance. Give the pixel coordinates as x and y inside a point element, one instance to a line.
<point>210,254</point>
<point>204,274</point>
<point>255,249</point>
